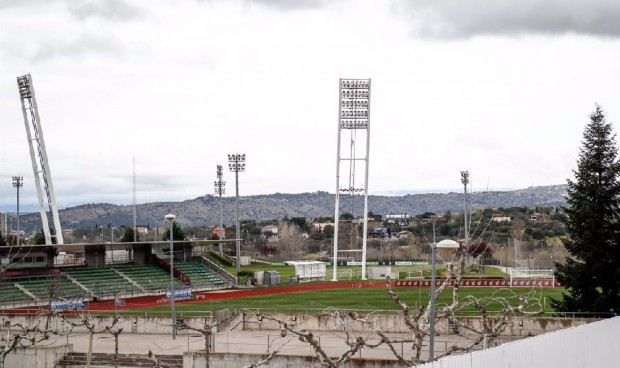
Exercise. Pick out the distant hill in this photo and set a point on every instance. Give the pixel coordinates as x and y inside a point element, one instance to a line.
<point>204,211</point>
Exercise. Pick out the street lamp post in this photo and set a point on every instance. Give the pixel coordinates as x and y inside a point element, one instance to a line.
<point>18,182</point>
<point>236,164</point>
<point>431,344</point>
<point>171,217</point>
<point>220,188</point>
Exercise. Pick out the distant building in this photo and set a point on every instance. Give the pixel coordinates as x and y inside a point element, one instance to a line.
<point>429,220</point>
<point>405,234</point>
<point>379,232</point>
<point>215,233</point>
<point>400,220</point>
<point>535,216</point>
<point>320,226</point>
<point>269,231</point>
<point>500,218</point>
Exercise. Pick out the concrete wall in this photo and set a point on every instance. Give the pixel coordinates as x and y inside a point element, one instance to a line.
<point>394,323</point>
<point>94,256</point>
<point>193,359</point>
<point>37,356</point>
<point>250,321</point>
<point>140,325</point>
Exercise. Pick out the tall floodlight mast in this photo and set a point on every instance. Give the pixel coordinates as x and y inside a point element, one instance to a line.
<point>220,188</point>
<point>236,164</point>
<point>18,182</point>
<point>40,165</point>
<point>465,181</point>
<point>353,124</point>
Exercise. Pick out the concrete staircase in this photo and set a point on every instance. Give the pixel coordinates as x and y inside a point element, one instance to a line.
<point>103,360</point>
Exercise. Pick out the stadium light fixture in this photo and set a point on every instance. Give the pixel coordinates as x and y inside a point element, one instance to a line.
<point>220,188</point>
<point>18,182</point>
<point>170,217</point>
<point>236,164</point>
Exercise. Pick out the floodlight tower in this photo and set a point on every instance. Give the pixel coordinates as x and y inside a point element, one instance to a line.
<point>236,164</point>
<point>18,182</point>
<point>220,188</point>
<point>465,181</point>
<point>40,165</point>
<point>353,123</point>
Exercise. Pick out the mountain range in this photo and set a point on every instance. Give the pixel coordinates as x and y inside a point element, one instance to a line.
<point>204,211</point>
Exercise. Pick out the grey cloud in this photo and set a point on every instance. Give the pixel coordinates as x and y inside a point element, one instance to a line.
<point>108,9</point>
<point>290,4</point>
<point>468,18</point>
<point>82,46</point>
<point>284,4</point>
<point>6,4</point>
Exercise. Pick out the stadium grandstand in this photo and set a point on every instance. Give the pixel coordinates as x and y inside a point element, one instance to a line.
<point>41,275</point>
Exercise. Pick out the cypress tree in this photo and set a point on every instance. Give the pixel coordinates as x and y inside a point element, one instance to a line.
<point>591,273</point>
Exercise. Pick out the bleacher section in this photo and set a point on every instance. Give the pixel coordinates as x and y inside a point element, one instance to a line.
<point>9,293</point>
<point>37,285</point>
<point>104,282</point>
<point>199,275</point>
<point>149,276</point>
<point>45,286</point>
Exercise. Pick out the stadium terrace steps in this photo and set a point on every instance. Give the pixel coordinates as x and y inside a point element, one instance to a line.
<point>148,276</point>
<point>200,275</point>
<point>101,281</point>
<point>25,290</point>
<point>10,292</point>
<point>101,360</point>
<point>129,280</point>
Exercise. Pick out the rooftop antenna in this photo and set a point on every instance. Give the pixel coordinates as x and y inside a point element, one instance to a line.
<point>40,165</point>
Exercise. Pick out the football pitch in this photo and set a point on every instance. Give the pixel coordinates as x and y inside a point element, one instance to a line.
<point>363,300</point>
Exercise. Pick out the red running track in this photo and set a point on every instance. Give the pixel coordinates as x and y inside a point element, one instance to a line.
<point>203,296</point>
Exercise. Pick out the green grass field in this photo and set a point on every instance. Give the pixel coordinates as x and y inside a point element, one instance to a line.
<point>360,299</point>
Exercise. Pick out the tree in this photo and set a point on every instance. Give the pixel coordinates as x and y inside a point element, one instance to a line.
<point>301,222</point>
<point>39,238</point>
<point>291,243</point>
<point>480,248</point>
<point>328,231</point>
<point>128,235</point>
<point>13,335</point>
<point>354,341</point>
<point>177,232</point>
<point>2,240</point>
<point>209,327</point>
<point>89,322</point>
<point>591,273</point>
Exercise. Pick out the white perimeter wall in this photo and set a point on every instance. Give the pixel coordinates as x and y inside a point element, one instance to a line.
<point>593,345</point>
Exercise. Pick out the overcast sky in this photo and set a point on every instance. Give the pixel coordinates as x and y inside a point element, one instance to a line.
<point>502,89</point>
